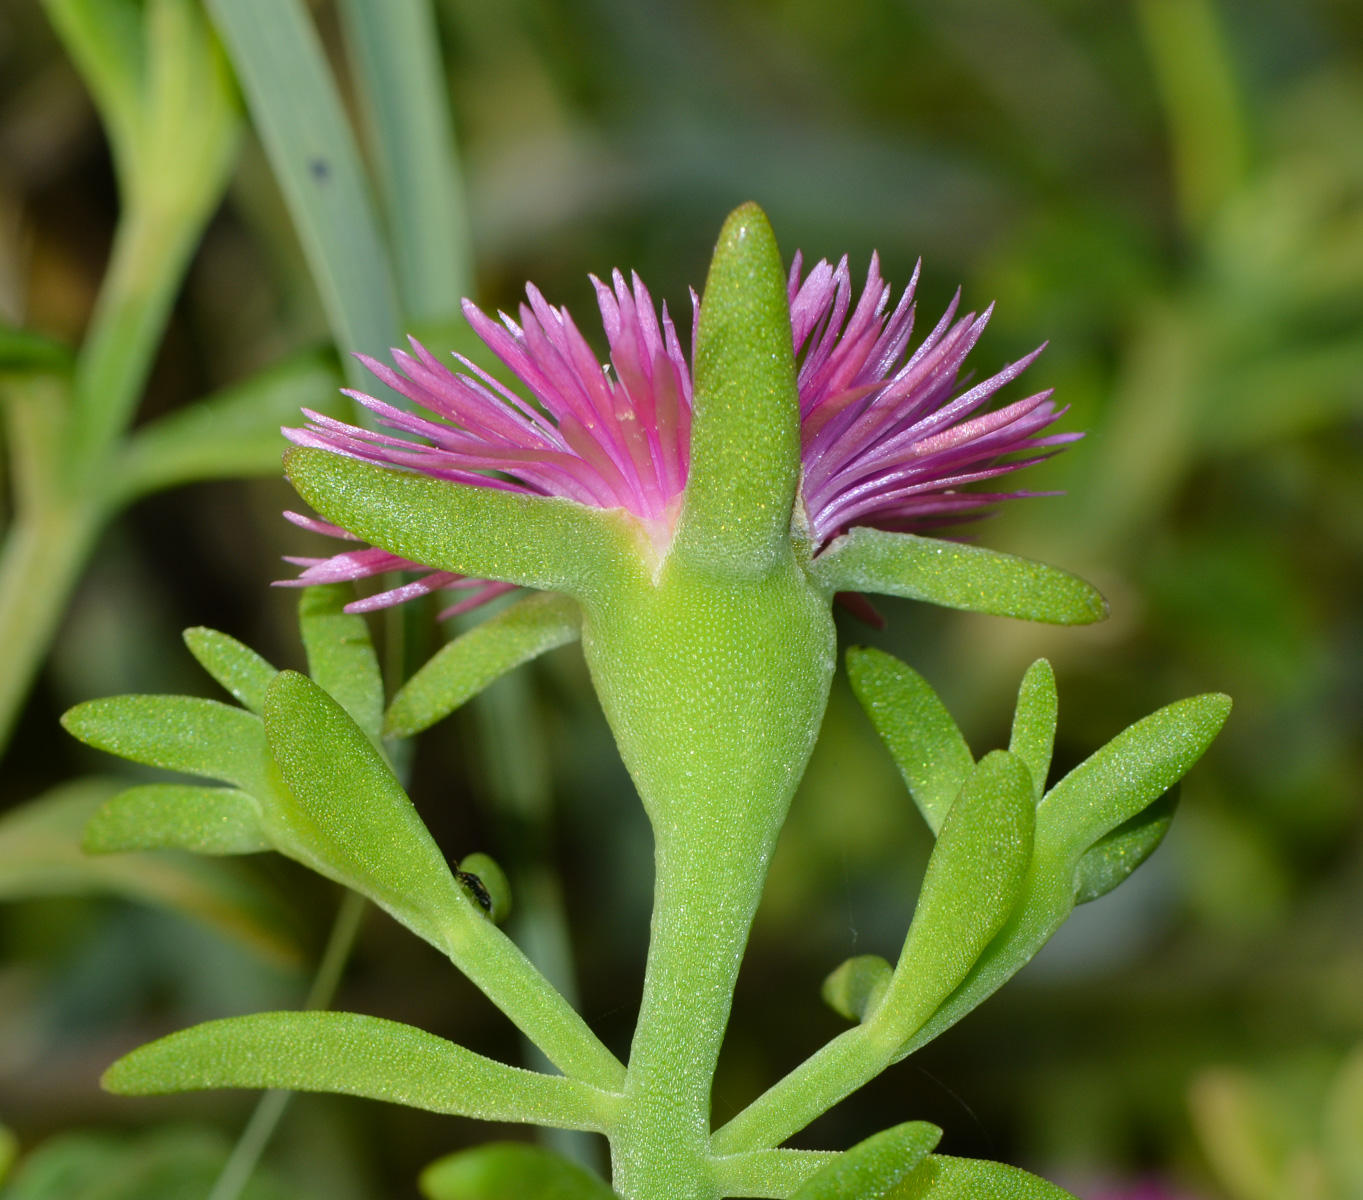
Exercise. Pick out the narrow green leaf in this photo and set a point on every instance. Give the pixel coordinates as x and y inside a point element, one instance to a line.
<point>539,541</point>
<point>462,668</point>
<point>855,988</point>
<point>178,733</point>
<point>1034,720</point>
<point>510,1171</point>
<point>925,743</point>
<point>341,658</point>
<point>232,434</point>
<point>1112,858</point>
<point>395,47</point>
<point>745,437</point>
<point>1098,796</point>
<point>176,816</point>
<point>974,880</point>
<point>942,1177</point>
<point>874,1168</point>
<point>1140,764</point>
<point>239,669</point>
<point>41,855</point>
<point>768,1172</point>
<point>25,350</point>
<point>956,576</point>
<point>365,826</point>
<point>357,1056</point>
<point>298,112</point>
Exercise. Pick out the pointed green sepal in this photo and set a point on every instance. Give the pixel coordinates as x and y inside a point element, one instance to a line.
<point>745,435</point>
<point>974,880</point>
<point>341,658</point>
<point>240,670</point>
<point>543,542</point>
<point>510,1171</point>
<point>357,1056</point>
<point>925,743</point>
<point>1033,738</point>
<point>956,576</point>
<point>178,816</point>
<point>462,668</point>
<point>874,1169</point>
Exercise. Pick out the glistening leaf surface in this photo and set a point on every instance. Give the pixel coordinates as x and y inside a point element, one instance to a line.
<point>510,1171</point>
<point>161,816</point>
<point>540,541</point>
<point>370,833</point>
<point>956,576</point>
<point>239,669</point>
<point>462,668</point>
<point>926,744</point>
<point>355,1055</point>
<point>1033,737</point>
<point>874,1169</point>
<point>745,435</point>
<point>341,658</point>
<point>942,1177</point>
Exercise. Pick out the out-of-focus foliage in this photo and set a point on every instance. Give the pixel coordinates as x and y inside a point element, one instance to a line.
<point>1170,191</point>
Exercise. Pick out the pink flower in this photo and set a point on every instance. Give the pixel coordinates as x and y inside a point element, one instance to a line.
<point>889,437</point>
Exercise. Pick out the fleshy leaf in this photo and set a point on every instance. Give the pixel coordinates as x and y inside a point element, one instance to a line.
<point>1112,858</point>
<point>461,669</point>
<point>341,658</point>
<point>1098,796</point>
<point>178,733</point>
<point>543,542</point>
<point>926,744</point>
<point>745,437</point>
<point>875,1168</point>
<point>364,825</point>
<point>355,1055</point>
<point>41,855</point>
<point>232,434</point>
<point>973,883</point>
<point>942,1177</point>
<point>482,875</point>
<point>855,988</point>
<point>177,816</point>
<point>956,576</point>
<point>510,1171</point>
<point>239,669</point>
<point>1033,738</point>
<point>768,1172</point>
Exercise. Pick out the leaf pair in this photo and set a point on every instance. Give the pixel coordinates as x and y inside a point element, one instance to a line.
<point>1086,835</point>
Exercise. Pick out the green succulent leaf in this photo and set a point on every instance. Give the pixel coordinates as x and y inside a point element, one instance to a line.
<point>1033,738</point>
<point>159,816</point>
<point>41,855</point>
<point>239,669</point>
<point>1101,794</point>
<point>481,874</point>
<point>232,434</point>
<point>925,743</point>
<point>768,1172</point>
<point>362,823</point>
<point>1112,858</point>
<point>875,1168</point>
<point>855,988</point>
<point>974,880</point>
<point>177,733</point>
<point>341,658</point>
<point>462,668</point>
<point>355,1055</point>
<point>956,576</point>
<point>510,1171</point>
<point>941,1177</point>
<point>543,542</point>
<point>745,435</point>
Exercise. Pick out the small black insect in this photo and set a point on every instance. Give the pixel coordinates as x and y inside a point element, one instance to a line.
<point>475,885</point>
<point>320,169</point>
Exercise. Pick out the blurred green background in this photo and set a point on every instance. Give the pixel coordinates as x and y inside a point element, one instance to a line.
<point>1171,193</point>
